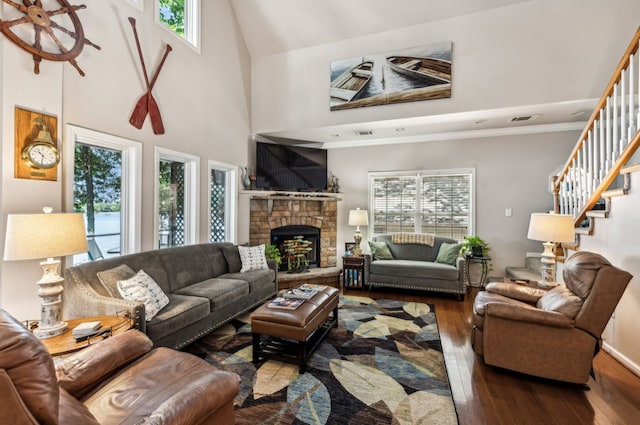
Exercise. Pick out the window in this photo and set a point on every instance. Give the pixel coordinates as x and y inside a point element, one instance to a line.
<point>182,17</point>
<point>222,195</point>
<point>176,198</point>
<point>106,188</point>
<point>438,202</point>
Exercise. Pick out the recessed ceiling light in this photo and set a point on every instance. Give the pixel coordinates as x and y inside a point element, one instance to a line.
<point>525,118</point>
<point>479,121</point>
<point>364,133</point>
<point>399,129</point>
<point>335,135</point>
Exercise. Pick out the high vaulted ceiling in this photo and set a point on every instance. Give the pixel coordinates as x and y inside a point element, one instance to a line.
<point>276,26</point>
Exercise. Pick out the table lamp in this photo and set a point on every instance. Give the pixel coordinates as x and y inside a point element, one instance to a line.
<point>46,235</point>
<point>358,218</point>
<point>550,229</point>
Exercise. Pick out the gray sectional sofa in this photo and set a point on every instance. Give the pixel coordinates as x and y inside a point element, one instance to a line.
<point>414,267</point>
<point>203,283</point>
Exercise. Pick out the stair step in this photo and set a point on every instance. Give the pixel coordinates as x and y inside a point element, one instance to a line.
<point>630,169</point>
<point>598,213</point>
<point>614,192</point>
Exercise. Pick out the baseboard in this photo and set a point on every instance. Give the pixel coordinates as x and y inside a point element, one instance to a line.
<point>621,358</point>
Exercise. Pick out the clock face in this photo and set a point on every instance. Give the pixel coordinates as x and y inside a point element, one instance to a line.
<point>41,155</point>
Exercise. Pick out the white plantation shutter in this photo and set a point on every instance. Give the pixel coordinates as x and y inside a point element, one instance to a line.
<point>438,202</point>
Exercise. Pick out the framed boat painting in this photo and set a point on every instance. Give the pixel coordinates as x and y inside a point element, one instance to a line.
<point>408,75</point>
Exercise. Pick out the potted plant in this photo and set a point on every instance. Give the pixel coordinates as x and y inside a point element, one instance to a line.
<point>272,252</point>
<point>474,246</point>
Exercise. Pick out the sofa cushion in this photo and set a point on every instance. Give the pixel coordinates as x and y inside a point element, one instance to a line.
<point>181,312</point>
<point>562,300</point>
<point>253,257</point>
<point>448,253</point>
<point>218,291</point>
<point>142,288</point>
<point>411,268</point>
<point>380,250</point>
<point>185,265</point>
<point>110,277</point>
<point>232,255</point>
<point>255,278</point>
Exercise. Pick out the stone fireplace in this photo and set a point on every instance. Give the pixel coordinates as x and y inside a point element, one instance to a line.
<point>272,212</point>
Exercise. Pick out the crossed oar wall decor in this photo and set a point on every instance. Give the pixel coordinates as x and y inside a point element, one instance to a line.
<point>147,103</point>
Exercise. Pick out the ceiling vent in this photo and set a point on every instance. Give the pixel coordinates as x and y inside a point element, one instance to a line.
<point>364,133</point>
<point>525,118</point>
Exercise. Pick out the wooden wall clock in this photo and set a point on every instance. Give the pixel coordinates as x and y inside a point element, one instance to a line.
<point>36,153</point>
<point>47,29</point>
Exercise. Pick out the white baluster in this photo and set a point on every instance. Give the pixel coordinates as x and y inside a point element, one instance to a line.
<point>617,146</point>
<point>624,75</point>
<point>632,123</point>
<point>579,178</point>
<point>638,56</point>
<point>602,142</point>
<point>609,142</point>
<point>590,161</point>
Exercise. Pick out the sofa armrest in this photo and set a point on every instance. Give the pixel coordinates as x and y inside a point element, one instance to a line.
<point>518,292</point>
<point>81,300</point>
<point>519,312</point>
<point>79,372</point>
<point>194,402</point>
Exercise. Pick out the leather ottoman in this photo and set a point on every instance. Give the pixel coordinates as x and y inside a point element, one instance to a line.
<point>293,335</point>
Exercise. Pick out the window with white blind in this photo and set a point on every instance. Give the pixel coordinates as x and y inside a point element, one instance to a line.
<point>437,201</point>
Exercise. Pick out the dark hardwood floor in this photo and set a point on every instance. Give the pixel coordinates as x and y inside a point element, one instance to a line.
<point>489,395</point>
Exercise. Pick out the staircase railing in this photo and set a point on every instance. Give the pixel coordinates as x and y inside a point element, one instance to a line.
<point>608,141</point>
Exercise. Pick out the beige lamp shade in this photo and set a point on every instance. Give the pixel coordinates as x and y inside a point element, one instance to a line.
<point>551,228</point>
<point>36,236</point>
<point>358,217</point>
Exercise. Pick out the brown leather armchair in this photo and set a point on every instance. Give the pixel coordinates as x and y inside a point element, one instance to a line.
<point>120,380</point>
<point>551,333</point>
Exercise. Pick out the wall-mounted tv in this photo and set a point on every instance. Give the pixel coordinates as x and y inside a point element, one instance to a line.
<point>294,168</point>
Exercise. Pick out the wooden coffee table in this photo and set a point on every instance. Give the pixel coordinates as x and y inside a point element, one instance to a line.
<point>293,335</point>
<point>66,343</point>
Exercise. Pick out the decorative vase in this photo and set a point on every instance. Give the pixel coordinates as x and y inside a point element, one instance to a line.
<point>245,178</point>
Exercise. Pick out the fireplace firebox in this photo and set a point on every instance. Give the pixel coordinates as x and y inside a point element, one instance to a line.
<point>281,234</point>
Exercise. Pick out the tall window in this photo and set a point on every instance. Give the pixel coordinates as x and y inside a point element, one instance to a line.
<point>438,202</point>
<point>106,189</point>
<point>222,195</point>
<point>182,17</point>
<point>176,202</point>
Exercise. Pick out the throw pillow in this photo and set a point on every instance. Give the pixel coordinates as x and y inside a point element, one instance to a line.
<point>252,258</point>
<point>380,250</point>
<point>142,288</point>
<point>109,278</point>
<point>448,253</point>
<point>232,256</point>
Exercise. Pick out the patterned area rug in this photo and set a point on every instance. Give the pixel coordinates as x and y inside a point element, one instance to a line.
<point>382,365</point>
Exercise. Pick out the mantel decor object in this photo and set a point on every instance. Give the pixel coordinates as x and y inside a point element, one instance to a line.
<point>46,235</point>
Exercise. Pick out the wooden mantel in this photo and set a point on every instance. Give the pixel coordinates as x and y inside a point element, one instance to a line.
<point>271,196</point>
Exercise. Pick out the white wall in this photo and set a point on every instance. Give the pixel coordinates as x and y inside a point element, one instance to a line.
<point>617,238</point>
<point>511,172</point>
<point>502,58</point>
<point>204,100</point>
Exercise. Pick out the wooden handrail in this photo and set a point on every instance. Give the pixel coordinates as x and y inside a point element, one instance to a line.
<point>624,62</point>
<point>625,155</point>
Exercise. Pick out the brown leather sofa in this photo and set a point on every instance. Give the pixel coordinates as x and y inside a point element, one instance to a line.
<point>120,380</point>
<point>549,333</point>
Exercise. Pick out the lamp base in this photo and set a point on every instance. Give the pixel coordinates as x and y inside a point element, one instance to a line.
<point>51,305</point>
<point>357,238</point>
<point>51,331</point>
<point>548,262</point>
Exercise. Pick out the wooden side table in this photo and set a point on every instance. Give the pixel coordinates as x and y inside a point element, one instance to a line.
<point>353,272</point>
<point>66,343</point>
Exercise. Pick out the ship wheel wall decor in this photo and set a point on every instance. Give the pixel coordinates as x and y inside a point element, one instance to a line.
<point>48,29</point>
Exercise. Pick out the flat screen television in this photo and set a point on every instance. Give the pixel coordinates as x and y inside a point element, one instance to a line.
<point>293,168</point>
